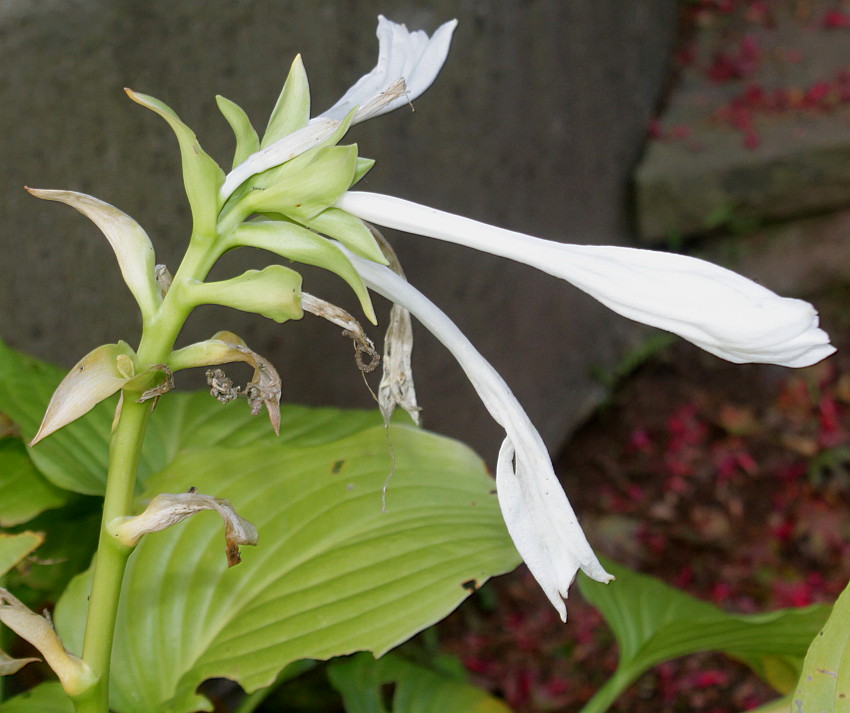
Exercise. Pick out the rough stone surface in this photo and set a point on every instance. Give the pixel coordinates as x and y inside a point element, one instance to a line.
<point>723,159</point>
<point>535,124</point>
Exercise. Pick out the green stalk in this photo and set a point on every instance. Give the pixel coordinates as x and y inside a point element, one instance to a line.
<point>111,561</point>
<point>158,337</point>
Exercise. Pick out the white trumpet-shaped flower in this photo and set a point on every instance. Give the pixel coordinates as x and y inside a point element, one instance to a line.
<point>718,310</point>
<point>408,63</point>
<point>538,514</point>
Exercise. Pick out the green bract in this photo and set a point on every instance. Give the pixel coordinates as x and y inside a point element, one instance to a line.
<point>273,292</point>
<point>291,241</point>
<point>202,176</point>
<point>292,109</point>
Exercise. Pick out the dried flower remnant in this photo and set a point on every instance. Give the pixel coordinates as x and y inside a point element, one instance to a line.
<point>264,389</point>
<point>350,326</point>
<point>168,509</point>
<point>396,387</point>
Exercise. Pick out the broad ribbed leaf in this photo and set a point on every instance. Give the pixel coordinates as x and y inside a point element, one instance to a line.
<point>44,698</point>
<point>654,622</point>
<point>824,684</point>
<point>24,492</point>
<point>417,689</point>
<point>332,573</point>
<point>13,548</point>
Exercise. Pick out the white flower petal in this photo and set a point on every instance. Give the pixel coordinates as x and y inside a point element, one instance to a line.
<point>539,517</point>
<point>408,63</point>
<point>402,54</point>
<point>718,310</point>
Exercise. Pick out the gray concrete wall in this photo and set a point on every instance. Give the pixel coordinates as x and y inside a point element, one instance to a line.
<point>535,124</point>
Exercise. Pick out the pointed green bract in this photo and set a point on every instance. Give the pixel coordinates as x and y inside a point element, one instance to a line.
<point>654,622</point>
<point>305,186</point>
<point>296,243</point>
<point>247,141</point>
<point>129,241</point>
<point>350,231</point>
<point>97,376</point>
<point>364,165</point>
<point>24,492</point>
<point>292,109</point>
<point>361,680</point>
<point>202,176</point>
<point>824,683</point>
<point>274,292</point>
<point>331,574</point>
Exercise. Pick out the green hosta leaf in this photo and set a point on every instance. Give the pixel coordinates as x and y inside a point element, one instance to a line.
<point>13,548</point>
<point>247,141</point>
<point>360,679</point>
<point>296,243</point>
<point>24,492</point>
<point>654,622</point>
<point>824,683</point>
<point>350,231</point>
<point>292,109</point>
<point>44,698</point>
<point>202,176</point>
<point>70,538</point>
<point>273,292</point>
<point>332,573</point>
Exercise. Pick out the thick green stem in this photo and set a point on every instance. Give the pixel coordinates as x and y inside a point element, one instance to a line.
<point>158,338</point>
<point>112,556</point>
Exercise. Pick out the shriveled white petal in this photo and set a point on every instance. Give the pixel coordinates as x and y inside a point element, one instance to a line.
<point>410,56</point>
<point>73,673</point>
<point>408,63</point>
<point>718,310</point>
<point>539,517</point>
<point>128,239</point>
<point>167,509</point>
<point>97,376</point>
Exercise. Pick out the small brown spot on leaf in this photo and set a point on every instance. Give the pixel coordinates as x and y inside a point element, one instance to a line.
<point>336,467</point>
<point>470,585</point>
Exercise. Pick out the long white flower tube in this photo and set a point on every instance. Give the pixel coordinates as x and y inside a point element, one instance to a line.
<point>539,517</point>
<point>718,310</point>
<point>408,63</point>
